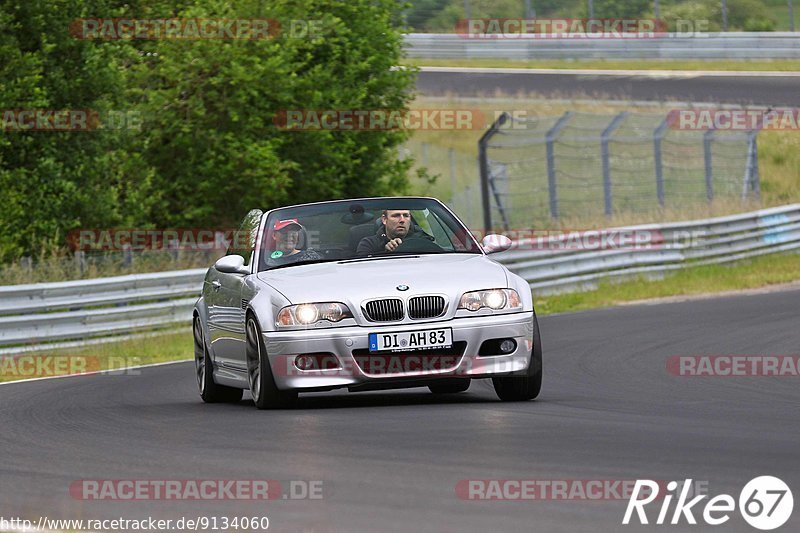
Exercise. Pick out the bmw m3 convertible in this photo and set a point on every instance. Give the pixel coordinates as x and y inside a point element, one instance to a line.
<point>363,294</point>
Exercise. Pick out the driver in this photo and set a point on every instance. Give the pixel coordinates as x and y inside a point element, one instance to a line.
<point>395,228</point>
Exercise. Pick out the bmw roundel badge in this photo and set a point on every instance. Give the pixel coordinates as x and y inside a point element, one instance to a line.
<point>402,287</point>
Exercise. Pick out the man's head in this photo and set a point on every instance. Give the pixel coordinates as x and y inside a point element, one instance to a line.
<point>397,222</point>
<point>287,235</point>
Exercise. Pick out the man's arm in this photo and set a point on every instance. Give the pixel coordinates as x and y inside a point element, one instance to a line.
<point>366,246</point>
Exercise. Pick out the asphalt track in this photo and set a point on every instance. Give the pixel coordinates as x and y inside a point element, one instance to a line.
<point>773,90</point>
<point>390,461</point>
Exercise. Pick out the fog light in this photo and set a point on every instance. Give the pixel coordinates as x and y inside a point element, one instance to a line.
<point>316,361</point>
<point>508,346</point>
<point>304,362</point>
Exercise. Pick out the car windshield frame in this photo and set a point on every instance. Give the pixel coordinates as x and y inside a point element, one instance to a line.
<point>360,212</point>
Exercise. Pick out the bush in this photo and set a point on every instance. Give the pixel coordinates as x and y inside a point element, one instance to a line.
<point>208,150</point>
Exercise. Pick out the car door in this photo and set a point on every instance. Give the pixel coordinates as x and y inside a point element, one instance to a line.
<point>227,330</point>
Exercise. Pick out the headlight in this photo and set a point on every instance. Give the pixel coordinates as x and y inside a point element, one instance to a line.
<point>496,299</point>
<point>307,314</point>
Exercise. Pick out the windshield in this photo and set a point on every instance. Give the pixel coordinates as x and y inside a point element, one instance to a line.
<point>361,229</point>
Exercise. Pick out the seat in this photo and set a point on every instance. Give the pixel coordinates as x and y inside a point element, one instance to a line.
<point>359,232</point>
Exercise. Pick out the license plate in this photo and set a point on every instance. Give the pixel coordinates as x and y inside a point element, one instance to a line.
<point>411,340</point>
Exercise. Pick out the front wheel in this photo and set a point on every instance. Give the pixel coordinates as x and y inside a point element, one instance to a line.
<point>525,387</point>
<point>262,385</point>
<point>210,392</point>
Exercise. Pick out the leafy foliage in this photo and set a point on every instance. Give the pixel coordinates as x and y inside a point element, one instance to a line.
<point>207,150</point>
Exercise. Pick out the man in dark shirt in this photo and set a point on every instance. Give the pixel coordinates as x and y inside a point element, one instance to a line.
<point>396,227</point>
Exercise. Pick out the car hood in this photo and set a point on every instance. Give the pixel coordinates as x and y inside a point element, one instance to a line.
<point>359,280</point>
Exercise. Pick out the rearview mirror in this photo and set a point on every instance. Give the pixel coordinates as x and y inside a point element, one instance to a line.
<point>231,264</point>
<point>493,243</point>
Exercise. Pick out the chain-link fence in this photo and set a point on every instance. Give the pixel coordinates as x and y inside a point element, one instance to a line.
<point>580,164</point>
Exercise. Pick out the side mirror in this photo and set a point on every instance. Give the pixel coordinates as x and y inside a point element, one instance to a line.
<point>493,243</point>
<point>231,264</point>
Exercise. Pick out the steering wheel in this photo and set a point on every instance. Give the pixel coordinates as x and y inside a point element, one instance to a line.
<point>419,245</point>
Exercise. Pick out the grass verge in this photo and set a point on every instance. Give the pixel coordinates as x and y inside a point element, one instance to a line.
<point>753,273</point>
<point>174,345</point>
<point>777,65</point>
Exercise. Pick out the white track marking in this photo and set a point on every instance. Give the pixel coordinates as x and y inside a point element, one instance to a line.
<point>109,371</point>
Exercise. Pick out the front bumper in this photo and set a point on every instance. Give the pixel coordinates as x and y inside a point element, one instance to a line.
<point>284,346</point>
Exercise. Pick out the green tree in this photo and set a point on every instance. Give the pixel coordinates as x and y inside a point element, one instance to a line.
<point>749,15</point>
<point>619,8</point>
<point>209,108</point>
<point>53,182</point>
<point>208,149</point>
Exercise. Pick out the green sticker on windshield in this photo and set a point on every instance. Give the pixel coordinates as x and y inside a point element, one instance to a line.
<point>276,254</point>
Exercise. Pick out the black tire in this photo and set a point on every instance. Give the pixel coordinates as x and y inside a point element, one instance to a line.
<point>525,387</point>
<point>259,372</point>
<point>450,385</point>
<point>210,392</point>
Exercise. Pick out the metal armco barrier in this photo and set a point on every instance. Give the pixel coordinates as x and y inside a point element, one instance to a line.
<point>552,266</point>
<point>42,313</point>
<point>37,314</point>
<point>732,45</point>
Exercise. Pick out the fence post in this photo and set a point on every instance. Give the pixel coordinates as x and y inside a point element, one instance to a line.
<point>606,165</point>
<point>708,138</point>
<point>127,255</point>
<point>172,247</point>
<point>483,163</point>
<point>724,15</point>
<point>552,185</point>
<point>751,175</point>
<point>530,12</point>
<point>501,174</point>
<point>658,136</point>
<point>451,154</point>
<point>80,262</point>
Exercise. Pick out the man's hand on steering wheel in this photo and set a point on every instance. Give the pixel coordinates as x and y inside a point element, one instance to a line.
<point>392,245</point>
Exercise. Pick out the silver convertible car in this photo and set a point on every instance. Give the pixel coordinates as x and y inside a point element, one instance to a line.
<point>363,294</point>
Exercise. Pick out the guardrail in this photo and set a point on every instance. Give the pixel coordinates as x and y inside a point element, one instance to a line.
<point>732,45</point>
<point>551,266</point>
<point>40,313</point>
<point>36,316</point>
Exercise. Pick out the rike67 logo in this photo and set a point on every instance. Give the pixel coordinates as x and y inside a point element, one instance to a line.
<point>765,503</point>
